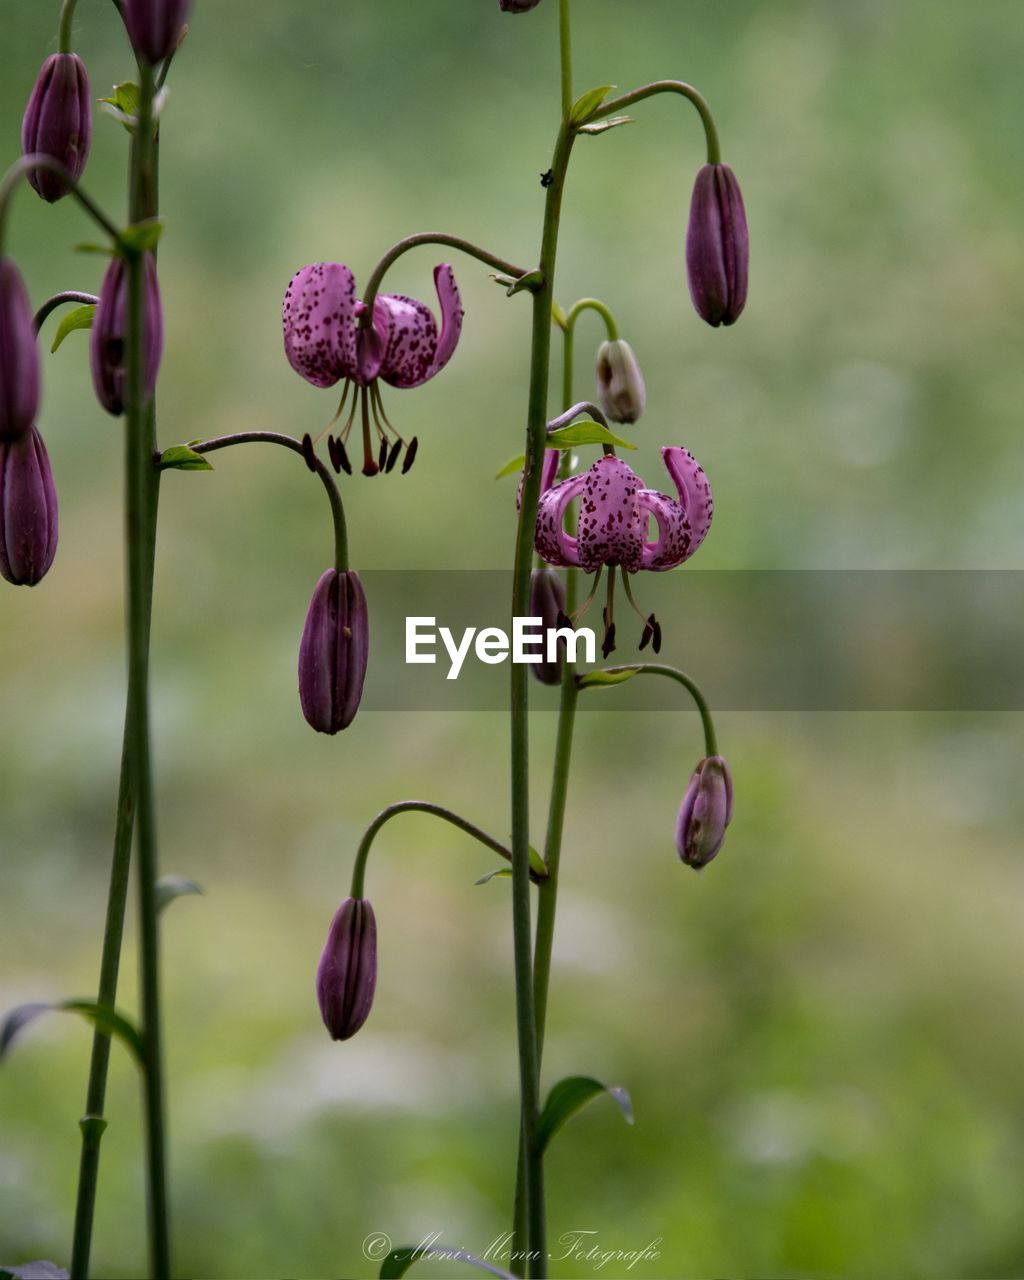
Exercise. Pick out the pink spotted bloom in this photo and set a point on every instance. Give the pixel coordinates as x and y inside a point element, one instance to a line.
<point>615,511</point>
<point>325,343</point>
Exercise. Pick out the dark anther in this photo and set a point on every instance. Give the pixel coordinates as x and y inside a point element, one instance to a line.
<point>563,620</point>
<point>657,634</point>
<point>342,453</point>
<point>396,449</point>
<point>608,646</point>
<point>410,454</point>
<point>382,454</point>
<point>332,453</point>
<point>546,179</point>
<point>308,452</point>
<point>647,636</point>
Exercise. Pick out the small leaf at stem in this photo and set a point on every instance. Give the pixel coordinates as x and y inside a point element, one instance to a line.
<point>494,875</point>
<point>538,864</point>
<point>558,315</point>
<point>104,250</point>
<point>570,1096</point>
<point>80,318</point>
<point>125,97</point>
<point>586,432</point>
<point>604,679</point>
<point>587,103</point>
<point>398,1261</point>
<point>100,1015</point>
<point>602,126</point>
<point>170,887</point>
<point>179,457</point>
<point>512,466</point>
<point>141,236</point>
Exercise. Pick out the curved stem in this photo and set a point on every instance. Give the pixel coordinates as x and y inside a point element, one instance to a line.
<point>564,419</point>
<point>616,105</point>
<point>288,442</point>
<point>58,300</point>
<point>593,304</point>
<point>436,811</point>
<point>672,673</point>
<point>431,237</point>
<point>26,165</point>
<point>67,14</point>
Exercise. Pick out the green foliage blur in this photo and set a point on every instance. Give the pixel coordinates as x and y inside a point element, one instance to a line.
<point>822,1033</point>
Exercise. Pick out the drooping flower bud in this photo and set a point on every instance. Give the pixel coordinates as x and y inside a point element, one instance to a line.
<point>705,812</point>
<point>58,122</point>
<point>333,653</point>
<point>155,26</point>
<point>19,356</point>
<point>28,510</point>
<point>346,976</point>
<point>109,337</point>
<point>517,6</point>
<point>547,602</point>
<point>717,246</point>
<point>620,382</point>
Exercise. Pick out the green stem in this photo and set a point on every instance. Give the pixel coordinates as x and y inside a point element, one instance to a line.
<point>671,673</point>
<point>568,354</point>
<point>432,237</point>
<point>565,46</point>
<point>142,482</point>
<point>288,442</point>
<point>26,165</point>
<point>615,106</point>
<point>67,14</point>
<point>419,806</point>
<point>592,304</point>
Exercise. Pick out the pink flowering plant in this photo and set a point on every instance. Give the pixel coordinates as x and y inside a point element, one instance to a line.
<point>580,520</point>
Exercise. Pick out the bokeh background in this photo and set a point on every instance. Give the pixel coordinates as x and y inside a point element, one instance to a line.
<point>822,1034</point>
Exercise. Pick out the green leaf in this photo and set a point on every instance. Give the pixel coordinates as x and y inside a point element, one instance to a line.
<point>141,236</point>
<point>538,864</point>
<point>494,875</point>
<point>587,103</point>
<point>101,1016</point>
<point>105,250</point>
<point>558,316</point>
<point>170,887</point>
<point>602,126</point>
<point>512,466</point>
<point>531,280</point>
<point>604,679</point>
<point>398,1261</point>
<point>585,432</point>
<point>179,457</point>
<point>80,318</point>
<point>125,97</point>
<point>570,1096</point>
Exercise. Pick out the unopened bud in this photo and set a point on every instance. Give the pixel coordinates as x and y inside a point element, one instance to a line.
<point>705,812</point>
<point>19,356</point>
<point>28,510</point>
<point>717,246</point>
<point>109,337</point>
<point>333,653</point>
<point>620,382</point>
<point>155,26</point>
<point>58,122</point>
<point>547,602</point>
<point>346,976</point>
<point>517,6</point>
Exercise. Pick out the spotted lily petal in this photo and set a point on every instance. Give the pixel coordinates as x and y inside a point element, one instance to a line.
<point>610,527</point>
<point>674,542</point>
<point>548,474</point>
<point>415,352</point>
<point>452,313</point>
<point>552,542</point>
<point>697,507</point>
<point>319,323</point>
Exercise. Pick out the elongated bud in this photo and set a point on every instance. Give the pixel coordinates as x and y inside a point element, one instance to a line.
<point>705,812</point>
<point>19,356</point>
<point>717,246</point>
<point>332,656</point>
<point>346,976</point>
<point>28,510</point>
<point>109,337</point>
<point>155,26</point>
<point>517,6</point>
<point>620,383</point>
<point>58,122</point>
<point>547,602</point>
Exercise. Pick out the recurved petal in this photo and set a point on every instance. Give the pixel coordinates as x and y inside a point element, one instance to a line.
<point>412,346</point>
<point>552,542</point>
<point>674,542</point>
<point>610,527</point>
<point>452,313</point>
<point>319,323</point>
<point>694,491</point>
<point>549,472</point>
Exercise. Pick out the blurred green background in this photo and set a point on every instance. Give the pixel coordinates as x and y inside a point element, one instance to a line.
<point>822,1034</point>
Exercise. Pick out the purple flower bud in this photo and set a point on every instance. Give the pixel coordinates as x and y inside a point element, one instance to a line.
<point>717,246</point>
<point>705,812</point>
<point>346,976</point>
<point>107,342</point>
<point>58,122</point>
<point>620,382</point>
<point>332,656</point>
<point>28,510</point>
<point>517,6</point>
<point>547,602</point>
<point>19,356</point>
<point>155,26</point>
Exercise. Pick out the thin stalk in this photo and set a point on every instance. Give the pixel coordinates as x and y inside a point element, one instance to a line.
<point>565,47</point>
<point>59,300</point>
<point>67,14</point>
<point>615,106</point>
<point>671,673</point>
<point>432,237</point>
<point>592,304</point>
<point>30,163</point>
<point>288,442</point>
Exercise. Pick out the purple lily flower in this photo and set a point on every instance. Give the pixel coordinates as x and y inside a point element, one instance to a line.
<point>717,246</point>
<point>346,977</point>
<point>28,510</point>
<point>325,344</point>
<point>614,514</point>
<point>155,26</point>
<point>19,356</point>
<point>58,122</point>
<point>333,653</point>
<point>705,813</point>
<point>108,337</point>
